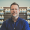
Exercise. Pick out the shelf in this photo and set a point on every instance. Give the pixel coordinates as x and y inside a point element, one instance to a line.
<point>1,10</point>
<point>28,15</point>
<point>0,26</point>
<point>1,14</point>
<point>28,10</point>
<point>7,12</point>
<point>1,22</point>
<point>22,13</point>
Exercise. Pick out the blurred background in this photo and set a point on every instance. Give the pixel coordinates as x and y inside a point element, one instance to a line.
<point>5,13</point>
<point>22,3</point>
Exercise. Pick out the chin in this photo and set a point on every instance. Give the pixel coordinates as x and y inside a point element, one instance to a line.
<point>14,16</point>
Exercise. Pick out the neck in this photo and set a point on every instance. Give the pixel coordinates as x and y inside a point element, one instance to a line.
<point>15,18</point>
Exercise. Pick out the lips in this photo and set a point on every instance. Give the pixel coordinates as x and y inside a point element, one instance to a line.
<point>14,13</point>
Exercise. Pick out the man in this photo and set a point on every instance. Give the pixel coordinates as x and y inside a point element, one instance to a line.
<point>15,22</point>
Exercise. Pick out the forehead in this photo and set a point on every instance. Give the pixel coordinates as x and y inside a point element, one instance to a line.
<point>14,6</point>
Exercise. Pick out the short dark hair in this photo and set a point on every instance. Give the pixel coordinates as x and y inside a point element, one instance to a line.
<point>14,4</point>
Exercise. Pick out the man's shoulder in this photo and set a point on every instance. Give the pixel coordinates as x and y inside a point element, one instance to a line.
<point>23,20</point>
<point>8,20</point>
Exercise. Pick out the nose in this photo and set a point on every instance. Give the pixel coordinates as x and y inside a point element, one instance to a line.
<point>14,10</point>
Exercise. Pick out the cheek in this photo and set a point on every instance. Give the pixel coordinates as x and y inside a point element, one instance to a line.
<point>17,11</point>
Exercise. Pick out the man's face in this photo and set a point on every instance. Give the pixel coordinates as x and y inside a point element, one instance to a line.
<point>14,10</point>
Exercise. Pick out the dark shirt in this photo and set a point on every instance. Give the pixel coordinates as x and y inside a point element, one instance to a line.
<point>20,24</point>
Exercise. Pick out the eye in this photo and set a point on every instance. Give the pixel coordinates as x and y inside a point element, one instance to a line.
<point>16,9</point>
<point>12,9</point>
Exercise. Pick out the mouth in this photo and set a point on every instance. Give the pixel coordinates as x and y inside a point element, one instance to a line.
<point>14,13</point>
